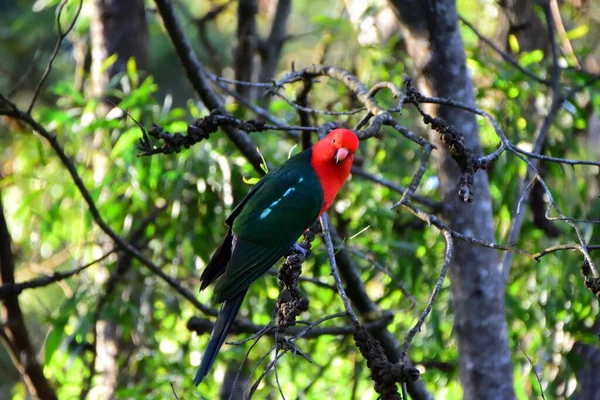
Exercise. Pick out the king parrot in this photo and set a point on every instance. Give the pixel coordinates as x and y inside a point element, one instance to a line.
<point>268,221</point>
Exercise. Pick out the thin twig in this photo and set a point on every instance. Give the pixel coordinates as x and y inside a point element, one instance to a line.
<point>24,77</point>
<point>534,371</point>
<point>404,393</point>
<point>173,390</point>
<point>562,32</point>
<point>259,111</point>
<point>241,325</point>
<point>119,241</point>
<point>239,371</point>
<point>562,247</point>
<point>435,206</point>
<point>436,290</point>
<point>123,264</point>
<point>437,222</point>
<point>277,376</point>
<point>270,48</point>
<point>201,24</point>
<point>61,37</point>
<point>384,270</point>
<point>266,370</point>
<point>417,177</point>
<point>507,57</point>
<point>311,327</point>
<point>14,289</point>
<point>334,271</point>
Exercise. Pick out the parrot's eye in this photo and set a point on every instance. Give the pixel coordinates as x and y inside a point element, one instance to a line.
<point>333,141</point>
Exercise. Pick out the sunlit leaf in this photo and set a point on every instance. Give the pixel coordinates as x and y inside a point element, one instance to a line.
<point>126,142</point>
<point>53,341</point>
<point>578,32</point>
<point>531,57</point>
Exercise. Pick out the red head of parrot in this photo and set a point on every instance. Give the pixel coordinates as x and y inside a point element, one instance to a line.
<point>332,159</point>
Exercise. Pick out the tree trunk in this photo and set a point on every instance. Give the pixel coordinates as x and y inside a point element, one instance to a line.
<point>117,27</point>
<point>13,331</point>
<point>271,47</point>
<point>433,42</point>
<point>246,45</point>
<point>518,18</point>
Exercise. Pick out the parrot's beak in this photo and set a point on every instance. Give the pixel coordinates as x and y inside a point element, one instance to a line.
<point>341,155</point>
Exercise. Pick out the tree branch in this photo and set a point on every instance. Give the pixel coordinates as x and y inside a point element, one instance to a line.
<point>119,241</point>
<point>540,140</point>
<point>507,57</point>
<point>16,335</point>
<point>61,37</point>
<point>369,311</point>
<point>204,326</point>
<point>197,76</point>
<point>14,289</point>
<point>436,290</point>
<point>271,47</point>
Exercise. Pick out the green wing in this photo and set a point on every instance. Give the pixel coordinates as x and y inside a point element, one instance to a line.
<point>268,221</point>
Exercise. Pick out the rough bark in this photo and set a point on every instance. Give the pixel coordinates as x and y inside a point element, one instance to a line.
<point>593,144</point>
<point>107,357</point>
<point>116,27</point>
<point>434,44</point>
<point>587,370</point>
<point>246,45</point>
<point>14,332</point>
<point>518,18</point>
<point>271,48</point>
<point>587,366</point>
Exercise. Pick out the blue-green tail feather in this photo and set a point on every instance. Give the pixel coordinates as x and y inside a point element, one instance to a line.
<point>225,318</point>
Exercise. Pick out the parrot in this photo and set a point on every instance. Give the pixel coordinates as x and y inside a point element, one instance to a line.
<point>268,221</point>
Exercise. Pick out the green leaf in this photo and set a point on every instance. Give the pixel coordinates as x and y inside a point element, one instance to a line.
<point>596,103</point>
<point>531,57</point>
<point>178,126</point>
<point>177,113</point>
<point>193,109</point>
<point>579,32</point>
<point>291,150</point>
<point>141,95</point>
<point>278,106</point>
<point>250,181</point>
<point>55,116</point>
<point>513,42</point>
<point>126,142</point>
<point>41,5</point>
<point>66,89</point>
<point>53,341</point>
<point>326,21</point>
<point>263,164</point>
<point>132,72</point>
<point>109,62</point>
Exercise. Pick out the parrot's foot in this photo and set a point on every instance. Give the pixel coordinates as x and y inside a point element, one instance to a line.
<point>300,249</point>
